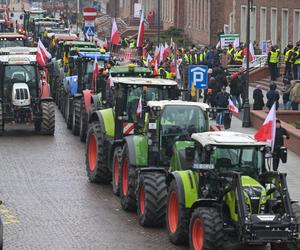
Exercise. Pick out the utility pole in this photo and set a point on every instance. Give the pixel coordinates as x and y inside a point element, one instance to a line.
<point>158,22</point>
<point>246,115</point>
<point>77,16</point>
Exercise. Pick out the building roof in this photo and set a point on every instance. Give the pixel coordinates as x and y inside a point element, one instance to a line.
<point>226,138</point>
<point>144,81</point>
<point>162,104</point>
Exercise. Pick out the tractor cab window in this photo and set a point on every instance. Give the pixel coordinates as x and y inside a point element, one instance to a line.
<point>11,42</point>
<point>20,74</point>
<point>248,160</point>
<point>177,124</point>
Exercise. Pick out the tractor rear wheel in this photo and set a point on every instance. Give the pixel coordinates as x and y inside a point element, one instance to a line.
<point>96,157</point>
<point>127,185</point>
<point>206,229</point>
<point>152,199</point>
<point>48,118</point>
<point>116,163</point>
<point>83,122</point>
<point>1,119</point>
<point>76,116</point>
<point>69,113</point>
<point>177,217</point>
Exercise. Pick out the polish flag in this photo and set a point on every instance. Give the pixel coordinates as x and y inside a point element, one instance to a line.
<point>161,53</point>
<point>167,52</point>
<point>115,34</point>
<point>252,53</point>
<point>149,59</point>
<point>95,73</point>
<point>110,81</point>
<point>139,108</point>
<point>105,44</point>
<point>157,54</point>
<point>266,132</point>
<point>233,108</point>
<point>141,32</point>
<point>155,71</point>
<point>42,55</point>
<point>251,56</point>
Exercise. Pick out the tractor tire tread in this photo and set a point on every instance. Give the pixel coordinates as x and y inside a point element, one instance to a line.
<point>48,118</point>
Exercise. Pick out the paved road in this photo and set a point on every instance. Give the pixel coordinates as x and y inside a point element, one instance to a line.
<point>49,203</point>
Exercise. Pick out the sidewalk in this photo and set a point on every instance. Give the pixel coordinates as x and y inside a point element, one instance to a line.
<point>292,167</point>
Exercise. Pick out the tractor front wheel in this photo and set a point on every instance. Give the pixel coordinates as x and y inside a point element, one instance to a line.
<point>127,186</point>
<point>116,163</point>
<point>152,199</point>
<point>76,117</point>
<point>177,217</point>
<point>206,229</point>
<point>47,126</point>
<point>83,122</point>
<point>96,166</point>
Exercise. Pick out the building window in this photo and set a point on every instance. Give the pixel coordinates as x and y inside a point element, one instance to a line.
<point>284,28</point>
<point>243,28</point>
<point>263,24</point>
<point>296,26</point>
<point>231,23</point>
<point>253,24</point>
<point>274,25</point>
<point>226,29</point>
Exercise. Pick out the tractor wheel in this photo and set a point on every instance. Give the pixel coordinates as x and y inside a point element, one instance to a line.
<point>152,199</point>
<point>83,122</point>
<point>177,217</point>
<point>69,113</point>
<point>96,167</point>
<point>1,119</point>
<point>76,117</point>
<point>206,229</point>
<point>48,118</point>
<point>127,185</point>
<point>294,245</point>
<point>116,163</point>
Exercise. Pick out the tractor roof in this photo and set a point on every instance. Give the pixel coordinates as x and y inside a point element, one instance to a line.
<point>144,81</point>
<point>18,51</point>
<point>11,35</point>
<point>79,43</point>
<point>64,36</point>
<point>128,69</point>
<point>226,138</point>
<point>18,59</point>
<point>93,55</point>
<point>162,104</point>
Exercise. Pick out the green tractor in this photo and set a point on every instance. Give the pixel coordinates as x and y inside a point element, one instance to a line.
<point>109,127</point>
<point>220,189</point>
<point>145,159</point>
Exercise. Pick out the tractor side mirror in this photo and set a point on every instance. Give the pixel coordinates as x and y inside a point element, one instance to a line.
<point>283,154</point>
<point>190,154</point>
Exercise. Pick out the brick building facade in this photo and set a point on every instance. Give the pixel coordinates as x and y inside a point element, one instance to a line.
<point>203,20</point>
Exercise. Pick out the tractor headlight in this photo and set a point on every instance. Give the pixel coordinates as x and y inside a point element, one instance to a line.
<point>156,108</point>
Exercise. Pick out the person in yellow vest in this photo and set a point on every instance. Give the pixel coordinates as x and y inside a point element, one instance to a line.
<point>288,59</point>
<point>272,62</point>
<point>162,71</point>
<point>296,63</point>
<point>238,56</point>
<point>231,52</point>
<point>278,58</point>
<point>132,44</point>
<point>53,45</point>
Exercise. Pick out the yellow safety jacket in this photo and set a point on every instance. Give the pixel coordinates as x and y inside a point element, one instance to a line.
<point>278,55</point>
<point>273,57</point>
<point>238,56</point>
<point>297,61</point>
<point>168,75</point>
<point>229,51</point>
<point>132,45</point>
<point>286,56</point>
<point>187,59</point>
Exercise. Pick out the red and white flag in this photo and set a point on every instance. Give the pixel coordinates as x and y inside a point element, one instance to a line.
<point>266,132</point>
<point>105,44</point>
<point>115,34</point>
<point>155,71</point>
<point>167,51</point>
<point>252,53</point>
<point>110,81</point>
<point>140,38</point>
<point>95,73</point>
<point>139,108</point>
<point>161,53</point>
<point>149,60</point>
<point>42,55</point>
<point>232,107</point>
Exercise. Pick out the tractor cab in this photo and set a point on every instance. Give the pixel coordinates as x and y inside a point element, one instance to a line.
<point>30,16</point>
<point>13,40</point>
<point>232,180</point>
<point>130,70</point>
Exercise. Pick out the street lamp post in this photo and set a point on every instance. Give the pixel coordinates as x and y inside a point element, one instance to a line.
<point>158,26</point>
<point>246,114</point>
<point>77,16</point>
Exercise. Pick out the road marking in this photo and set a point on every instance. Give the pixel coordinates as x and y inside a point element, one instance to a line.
<point>7,216</point>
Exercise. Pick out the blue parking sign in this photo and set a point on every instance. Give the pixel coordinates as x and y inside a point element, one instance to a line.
<point>198,75</point>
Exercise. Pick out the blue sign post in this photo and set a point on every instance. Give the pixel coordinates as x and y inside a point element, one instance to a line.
<point>198,75</point>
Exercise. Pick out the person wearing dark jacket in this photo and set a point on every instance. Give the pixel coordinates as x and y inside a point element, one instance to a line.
<point>222,104</point>
<point>280,135</point>
<point>272,96</point>
<point>258,97</point>
<point>235,90</point>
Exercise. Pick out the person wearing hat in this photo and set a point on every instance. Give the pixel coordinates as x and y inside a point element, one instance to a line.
<point>258,98</point>
<point>280,135</point>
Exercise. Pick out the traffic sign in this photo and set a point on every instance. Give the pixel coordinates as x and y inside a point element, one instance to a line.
<point>198,75</point>
<point>89,14</point>
<point>89,28</point>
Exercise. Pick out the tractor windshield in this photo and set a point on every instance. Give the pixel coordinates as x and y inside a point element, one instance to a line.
<point>19,74</point>
<point>177,123</point>
<point>11,42</point>
<point>249,160</point>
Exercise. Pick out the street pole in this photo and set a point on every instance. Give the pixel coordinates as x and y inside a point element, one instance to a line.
<point>246,114</point>
<point>77,16</point>
<point>158,26</point>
